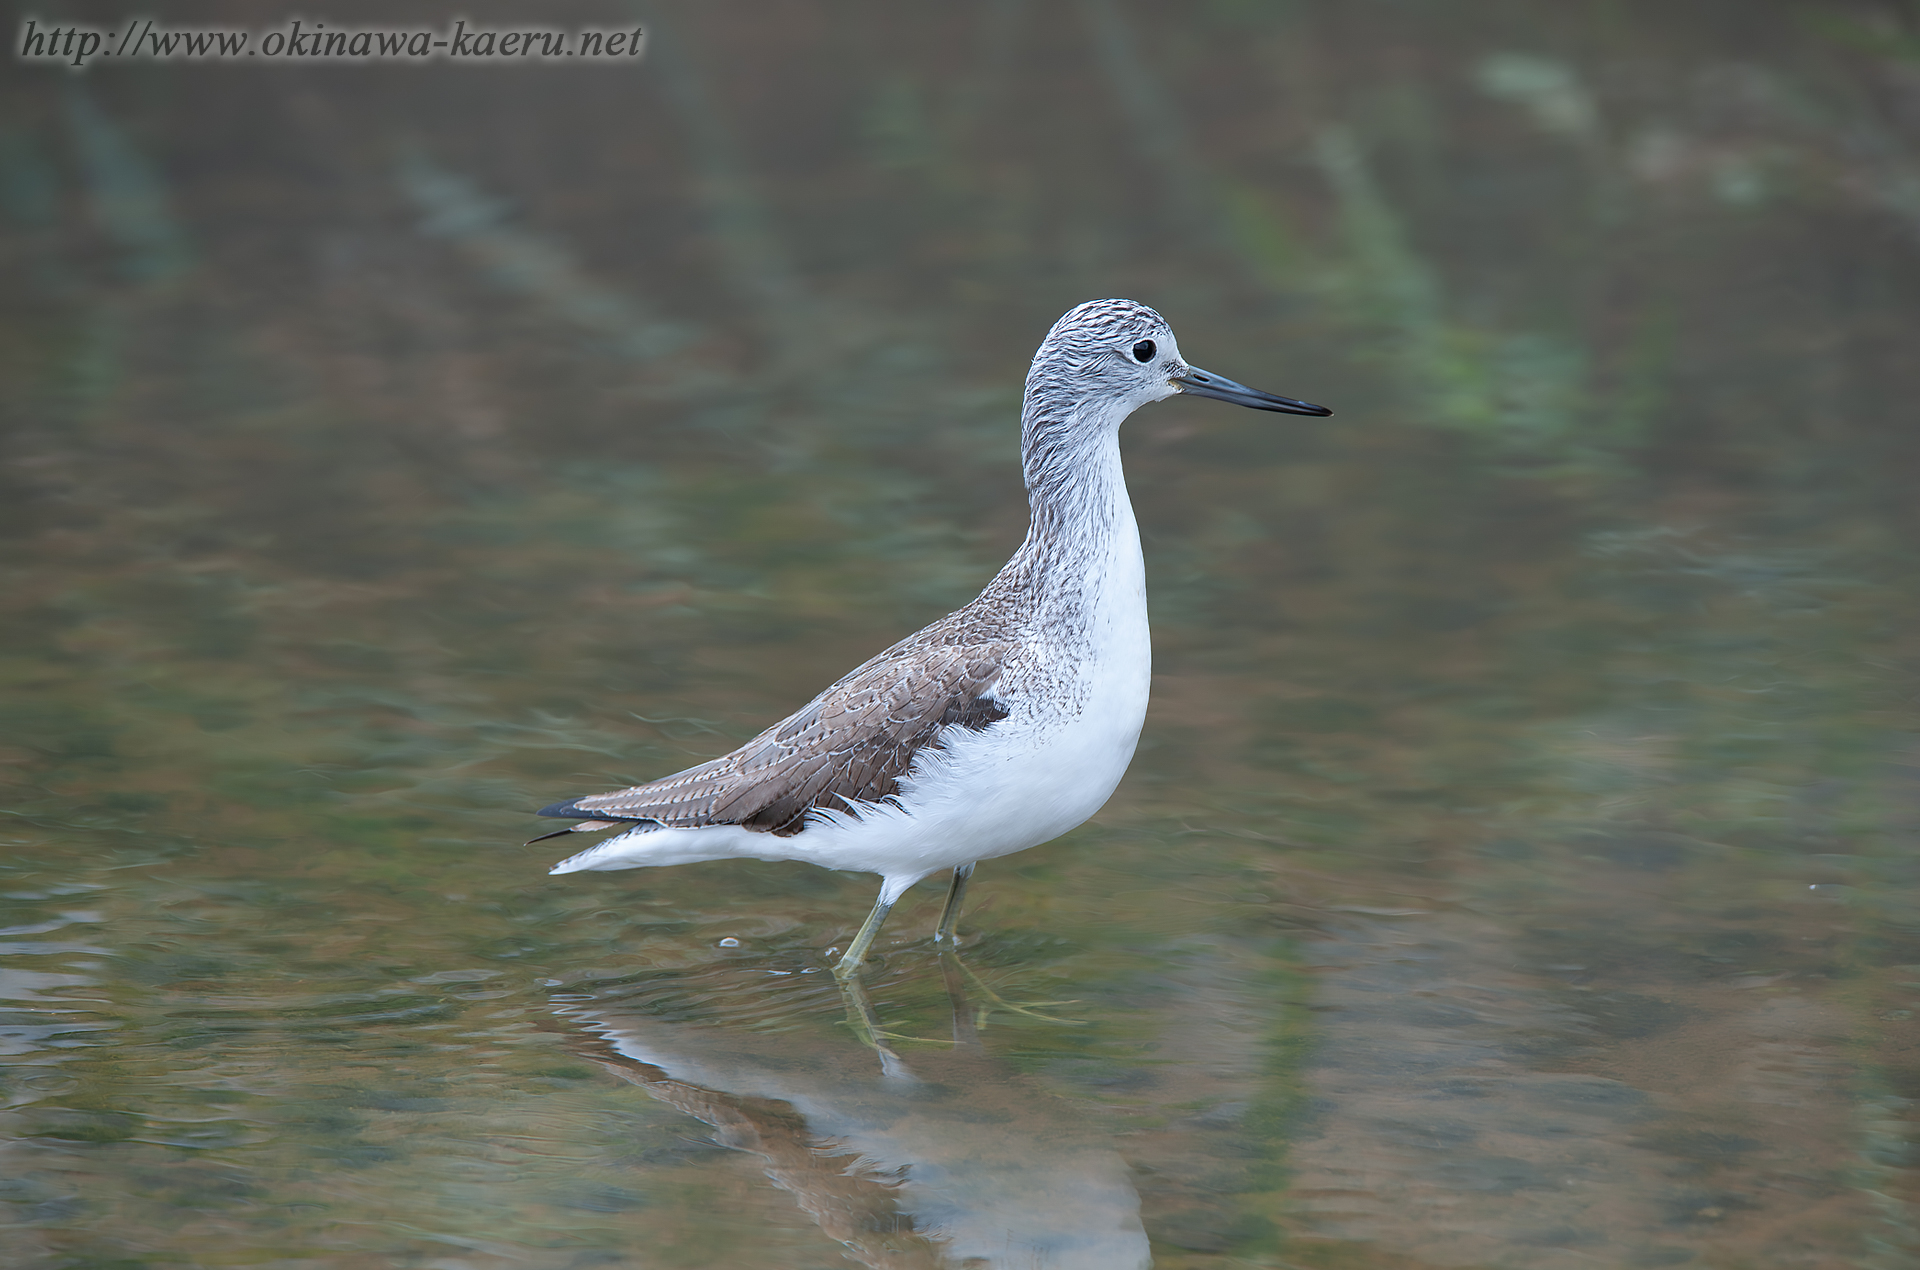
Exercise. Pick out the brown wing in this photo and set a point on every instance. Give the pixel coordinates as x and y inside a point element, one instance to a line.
<point>848,746</point>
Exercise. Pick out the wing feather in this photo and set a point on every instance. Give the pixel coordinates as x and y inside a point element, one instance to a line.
<point>847,747</point>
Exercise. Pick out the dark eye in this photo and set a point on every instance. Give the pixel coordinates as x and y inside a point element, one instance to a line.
<point>1143,351</point>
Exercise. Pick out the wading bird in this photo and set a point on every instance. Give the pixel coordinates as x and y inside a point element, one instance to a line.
<point>1000,726</point>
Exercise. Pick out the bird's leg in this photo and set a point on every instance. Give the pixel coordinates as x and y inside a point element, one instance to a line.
<point>857,950</point>
<point>966,1035</point>
<point>866,1026</point>
<point>943,934</point>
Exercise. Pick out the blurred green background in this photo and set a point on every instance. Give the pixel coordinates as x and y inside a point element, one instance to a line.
<point>392,449</point>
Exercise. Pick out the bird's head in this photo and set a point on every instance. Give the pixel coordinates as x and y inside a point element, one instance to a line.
<point>1106,358</point>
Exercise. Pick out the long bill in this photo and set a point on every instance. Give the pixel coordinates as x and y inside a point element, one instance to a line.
<point>1204,383</point>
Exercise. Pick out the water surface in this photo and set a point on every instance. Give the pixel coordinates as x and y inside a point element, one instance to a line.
<point>1518,867</point>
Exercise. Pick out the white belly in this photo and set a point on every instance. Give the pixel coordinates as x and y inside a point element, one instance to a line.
<point>984,794</point>
<point>1029,778</point>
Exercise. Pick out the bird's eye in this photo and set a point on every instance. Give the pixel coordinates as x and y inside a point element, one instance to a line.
<point>1143,351</point>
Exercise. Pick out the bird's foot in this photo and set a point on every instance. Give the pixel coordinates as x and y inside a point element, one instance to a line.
<point>1029,1009</point>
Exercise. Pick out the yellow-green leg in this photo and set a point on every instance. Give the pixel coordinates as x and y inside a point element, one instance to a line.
<point>857,950</point>
<point>943,934</point>
<point>866,1026</point>
<point>966,1035</point>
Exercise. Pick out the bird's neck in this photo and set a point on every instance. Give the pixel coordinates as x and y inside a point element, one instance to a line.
<point>1081,536</point>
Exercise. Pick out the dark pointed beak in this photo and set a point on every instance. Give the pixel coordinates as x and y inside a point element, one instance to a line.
<point>1203,383</point>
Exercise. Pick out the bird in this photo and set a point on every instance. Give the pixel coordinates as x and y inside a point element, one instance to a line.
<point>996,728</point>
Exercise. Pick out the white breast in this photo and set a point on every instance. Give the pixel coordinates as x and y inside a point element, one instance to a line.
<point>1074,714</point>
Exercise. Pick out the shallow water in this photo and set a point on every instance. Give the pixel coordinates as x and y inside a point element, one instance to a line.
<point>1518,867</point>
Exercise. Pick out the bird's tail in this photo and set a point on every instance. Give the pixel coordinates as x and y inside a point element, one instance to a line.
<point>585,826</point>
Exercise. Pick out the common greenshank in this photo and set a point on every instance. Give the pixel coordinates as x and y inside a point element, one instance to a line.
<point>997,728</point>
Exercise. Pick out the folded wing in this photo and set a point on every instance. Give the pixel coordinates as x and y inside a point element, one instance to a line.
<point>847,747</point>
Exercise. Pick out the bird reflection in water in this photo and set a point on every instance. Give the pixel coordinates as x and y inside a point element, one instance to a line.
<point>950,1160</point>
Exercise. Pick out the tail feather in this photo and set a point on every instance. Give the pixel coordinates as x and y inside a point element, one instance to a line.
<point>585,826</point>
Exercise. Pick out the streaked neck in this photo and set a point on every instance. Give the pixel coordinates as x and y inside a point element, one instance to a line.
<point>1081,532</point>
